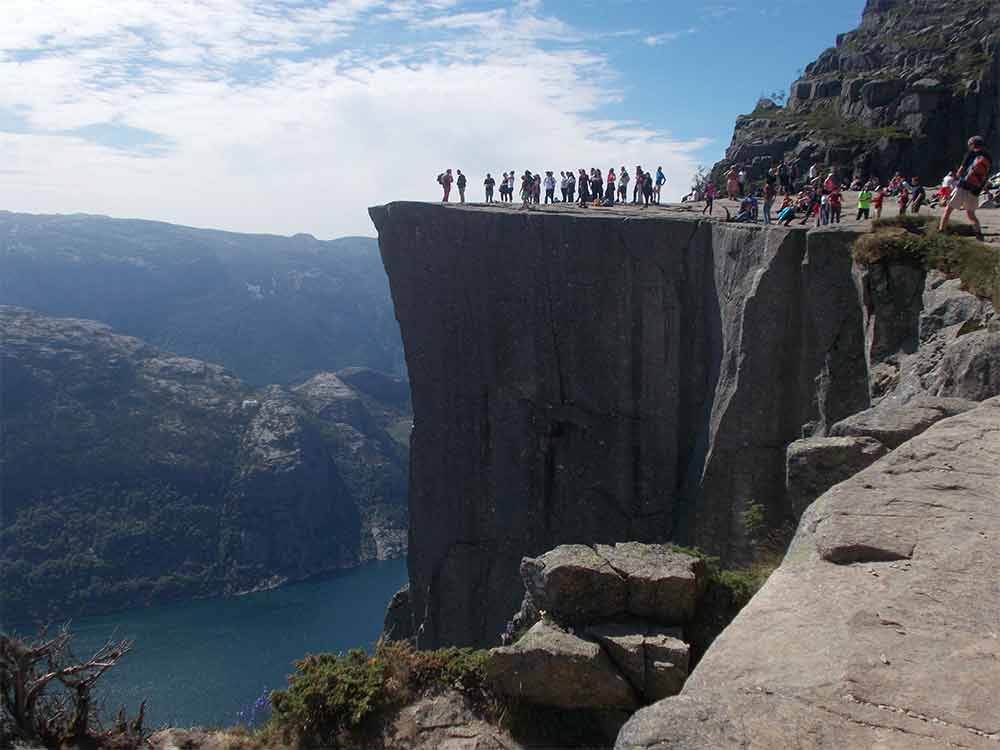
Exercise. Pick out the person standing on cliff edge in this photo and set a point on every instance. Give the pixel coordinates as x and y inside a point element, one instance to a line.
<point>972,177</point>
<point>444,180</point>
<point>461,182</point>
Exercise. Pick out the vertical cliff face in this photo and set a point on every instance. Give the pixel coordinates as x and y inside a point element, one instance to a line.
<point>595,378</point>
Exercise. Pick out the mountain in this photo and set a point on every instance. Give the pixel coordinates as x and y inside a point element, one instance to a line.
<point>132,476</point>
<point>902,92</point>
<point>271,309</point>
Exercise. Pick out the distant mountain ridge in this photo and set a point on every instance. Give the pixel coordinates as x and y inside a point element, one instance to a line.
<point>271,309</point>
<point>133,476</point>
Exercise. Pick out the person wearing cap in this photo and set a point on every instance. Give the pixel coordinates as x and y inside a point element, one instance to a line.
<point>972,177</point>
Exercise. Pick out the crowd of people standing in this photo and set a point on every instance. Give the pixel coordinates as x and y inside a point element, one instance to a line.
<point>816,196</point>
<point>583,187</point>
<point>820,196</point>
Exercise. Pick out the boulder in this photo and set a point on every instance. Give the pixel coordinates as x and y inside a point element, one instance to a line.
<point>663,584</point>
<point>865,652</point>
<point>574,584</point>
<point>946,304</point>
<point>550,666</point>
<point>970,367</point>
<point>881,92</point>
<point>654,659</point>
<point>814,465</point>
<point>893,425</point>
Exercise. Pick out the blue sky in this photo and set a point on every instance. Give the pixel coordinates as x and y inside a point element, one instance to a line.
<point>295,115</point>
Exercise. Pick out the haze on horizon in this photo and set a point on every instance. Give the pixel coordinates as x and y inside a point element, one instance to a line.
<point>288,116</point>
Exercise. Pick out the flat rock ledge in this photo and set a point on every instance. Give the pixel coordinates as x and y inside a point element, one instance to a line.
<point>609,635</point>
<point>881,628</point>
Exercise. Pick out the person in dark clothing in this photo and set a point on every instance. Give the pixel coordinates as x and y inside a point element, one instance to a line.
<point>972,178</point>
<point>647,188</point>
<point>918,196</point>
<point>460,183</point>
<point>570,185</point>
<point>584,184</point>
<point>596,185</point>
<point>488,183</point>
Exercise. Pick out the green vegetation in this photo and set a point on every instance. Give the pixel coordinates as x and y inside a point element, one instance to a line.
<point>337,700</point>
<point>915,240</point>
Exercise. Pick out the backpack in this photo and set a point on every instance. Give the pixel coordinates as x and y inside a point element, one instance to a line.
<point>441,179</point>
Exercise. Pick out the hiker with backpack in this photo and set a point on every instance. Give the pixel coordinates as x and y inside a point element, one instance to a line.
<point>445,180</point>
<point>972,179</point>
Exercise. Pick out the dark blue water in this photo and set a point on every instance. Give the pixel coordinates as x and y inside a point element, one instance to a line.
<point>199,663</point>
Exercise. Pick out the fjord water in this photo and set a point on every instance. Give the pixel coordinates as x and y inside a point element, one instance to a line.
<point>200,663</point>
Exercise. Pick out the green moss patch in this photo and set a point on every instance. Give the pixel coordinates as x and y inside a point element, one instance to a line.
<point>915,240</point>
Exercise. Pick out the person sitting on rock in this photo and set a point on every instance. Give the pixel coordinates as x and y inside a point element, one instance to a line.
<point>903,201</point>
<point>972,178</point>
<point>787,211</point>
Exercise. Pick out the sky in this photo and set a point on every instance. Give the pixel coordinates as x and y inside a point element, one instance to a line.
<point>286,116</point>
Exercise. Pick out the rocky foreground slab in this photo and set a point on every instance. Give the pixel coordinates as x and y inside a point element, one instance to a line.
<point>882,626</point>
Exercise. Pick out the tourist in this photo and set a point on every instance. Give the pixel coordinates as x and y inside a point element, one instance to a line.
<point>503,188</point>
<point>609,193</point>
<point>570,185</point>
<point>488,183</point>
<point>445,180</point>
<point>709,198</point>
<point>527,186</point>
<point>787,211</point>
<point>647,188</point>
<point>583,185</point>
<point>536,190</point>
<point>768,198</point>
<point>637,189</point>
<point>623,185</point>
<point>741,179</point>
<point>877,201</point>
<point>903,200</point>
<point>596,186</point>
<point>864,204</point>
<point>918,196</point>
<point>836,206</point>
<point>550,188</point>
<point>461,182</point>
<point>661,180</point>
<point>732,184</point>
<point>812,204</point>
<point>972,178</point>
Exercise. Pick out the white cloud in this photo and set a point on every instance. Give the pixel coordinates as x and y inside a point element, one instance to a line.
<point>287,121</point>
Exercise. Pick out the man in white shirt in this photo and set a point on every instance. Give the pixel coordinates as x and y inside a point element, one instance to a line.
<point>549,183</point>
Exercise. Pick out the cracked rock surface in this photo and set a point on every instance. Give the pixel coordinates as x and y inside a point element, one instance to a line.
<point>881,628</point>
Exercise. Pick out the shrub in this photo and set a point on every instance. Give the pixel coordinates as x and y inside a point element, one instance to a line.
<point>333,699</point>
<point>915,241</point>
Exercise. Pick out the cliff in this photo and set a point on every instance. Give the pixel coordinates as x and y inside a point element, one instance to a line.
<point>583,377</point>
<point>132,476</point>
<point>902,92</point>
<point>879,629</point>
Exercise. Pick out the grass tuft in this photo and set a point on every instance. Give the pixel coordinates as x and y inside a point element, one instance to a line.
<point>915,240</point>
